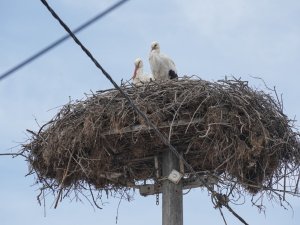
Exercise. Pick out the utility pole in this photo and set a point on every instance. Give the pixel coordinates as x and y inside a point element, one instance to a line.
<point>171,188</point>
<point>172,200</point>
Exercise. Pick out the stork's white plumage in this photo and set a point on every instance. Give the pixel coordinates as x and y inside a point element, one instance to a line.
<point>139,78</point>
<point>163,68</point>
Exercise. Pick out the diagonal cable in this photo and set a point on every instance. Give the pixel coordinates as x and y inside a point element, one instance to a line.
<point>61,40</point>
<point>159,134</point>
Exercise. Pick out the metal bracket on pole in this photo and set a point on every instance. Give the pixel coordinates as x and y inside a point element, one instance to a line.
<point>152,189</point>
<point>175,176</point>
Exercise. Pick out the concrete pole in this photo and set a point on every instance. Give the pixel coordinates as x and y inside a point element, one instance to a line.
<point>172,204</point>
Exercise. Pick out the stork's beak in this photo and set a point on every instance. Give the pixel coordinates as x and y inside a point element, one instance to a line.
<point>134,72</point>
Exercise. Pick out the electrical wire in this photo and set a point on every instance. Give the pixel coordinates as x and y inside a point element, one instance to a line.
<point>61,40</point>
<point>159,134</point>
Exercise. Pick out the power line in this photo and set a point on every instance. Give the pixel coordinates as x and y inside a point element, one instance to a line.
<point>62,39</point>
<point>159,134</point>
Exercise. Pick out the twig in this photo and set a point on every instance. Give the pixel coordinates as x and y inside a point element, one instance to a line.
<point>13,154</point>
<point>117,216</point>
<point>94,200</point>
<point>220,210</point>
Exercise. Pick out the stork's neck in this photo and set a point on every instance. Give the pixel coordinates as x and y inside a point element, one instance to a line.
<point>139,71</point>
<point>156,51</point>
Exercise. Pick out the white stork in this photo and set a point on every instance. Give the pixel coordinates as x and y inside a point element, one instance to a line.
<point>163,68</point>
<point>139,78</point>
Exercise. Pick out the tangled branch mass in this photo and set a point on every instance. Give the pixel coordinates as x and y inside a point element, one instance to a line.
<point>224,128</point>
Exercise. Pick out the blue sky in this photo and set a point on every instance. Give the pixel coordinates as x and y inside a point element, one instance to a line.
<point>210,38</point>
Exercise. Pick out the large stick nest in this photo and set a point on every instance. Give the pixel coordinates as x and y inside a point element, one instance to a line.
<point>225,128</point>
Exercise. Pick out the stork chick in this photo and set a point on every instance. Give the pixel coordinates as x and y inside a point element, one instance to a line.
<point>139,78</point>
<point>163,68</point>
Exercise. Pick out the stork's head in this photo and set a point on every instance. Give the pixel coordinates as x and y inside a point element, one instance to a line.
<point>138,64</point>
<point>155,46</point>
